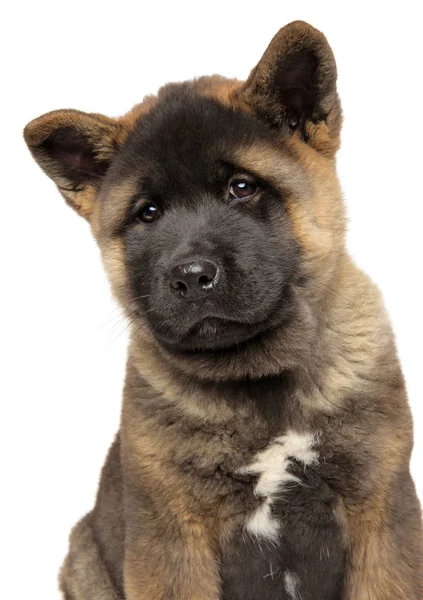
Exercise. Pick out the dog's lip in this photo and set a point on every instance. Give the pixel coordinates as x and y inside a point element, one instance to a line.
<point>181,348</point>
<point>209,319</point>
<point>213,341</point>
<point>217,320</point>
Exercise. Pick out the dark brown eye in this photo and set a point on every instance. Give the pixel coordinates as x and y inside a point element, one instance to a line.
<point>242,189</point>
<point>148,213</point>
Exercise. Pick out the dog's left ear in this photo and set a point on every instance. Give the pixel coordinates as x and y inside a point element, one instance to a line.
<point>293,87</point>
<point>75,149</point>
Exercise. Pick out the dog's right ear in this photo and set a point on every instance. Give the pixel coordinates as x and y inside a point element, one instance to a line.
<point>75,149</point>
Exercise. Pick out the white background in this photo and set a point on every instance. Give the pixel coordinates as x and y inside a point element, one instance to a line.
<point>62,339</point>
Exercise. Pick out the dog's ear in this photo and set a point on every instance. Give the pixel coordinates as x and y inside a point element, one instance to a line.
<point>75,149</point>
<point>293,87</point>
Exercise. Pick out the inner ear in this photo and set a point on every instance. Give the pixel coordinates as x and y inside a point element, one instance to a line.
<point>295,84</point>
<point>72,149</point>
<point>75,149</point>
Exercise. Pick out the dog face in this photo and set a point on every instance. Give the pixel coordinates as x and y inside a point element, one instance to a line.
<point>208,248</point>
<point>215,205</point>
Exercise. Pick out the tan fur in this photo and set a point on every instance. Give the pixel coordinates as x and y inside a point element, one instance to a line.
<point>373,569</point>
<point>83,569</point>
<point>191,544</point>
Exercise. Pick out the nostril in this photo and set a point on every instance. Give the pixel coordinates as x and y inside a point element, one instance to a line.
<point>179,286</point>
<point>209,273</point>
<point>205,279</point>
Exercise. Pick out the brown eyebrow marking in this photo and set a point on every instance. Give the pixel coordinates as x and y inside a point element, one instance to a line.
<point>115,201</point>
<point>271,165</point>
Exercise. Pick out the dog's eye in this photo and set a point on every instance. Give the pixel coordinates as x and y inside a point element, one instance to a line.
<point>148,213</point>
<point>242,189</point>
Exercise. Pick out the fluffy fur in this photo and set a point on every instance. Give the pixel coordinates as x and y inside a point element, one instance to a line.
<point>278,395</point>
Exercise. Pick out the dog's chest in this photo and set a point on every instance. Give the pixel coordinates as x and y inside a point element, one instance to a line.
<point>288,544</point>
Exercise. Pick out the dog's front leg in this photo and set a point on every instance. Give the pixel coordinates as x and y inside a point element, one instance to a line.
<point>171,525</point>
<point>385,558</point>
<point>173,563</point>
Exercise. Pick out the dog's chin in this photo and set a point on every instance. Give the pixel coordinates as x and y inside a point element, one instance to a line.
<point>213,334</point>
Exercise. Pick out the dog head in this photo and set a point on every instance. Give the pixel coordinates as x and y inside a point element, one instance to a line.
<point>216,207</point>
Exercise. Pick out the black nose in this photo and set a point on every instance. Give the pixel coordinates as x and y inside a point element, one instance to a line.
<point>195,279</point>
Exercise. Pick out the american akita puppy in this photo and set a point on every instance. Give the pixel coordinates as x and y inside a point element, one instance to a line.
<point>266,436</point>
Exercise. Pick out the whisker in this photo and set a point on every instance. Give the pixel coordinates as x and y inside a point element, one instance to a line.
<point>141,297</point>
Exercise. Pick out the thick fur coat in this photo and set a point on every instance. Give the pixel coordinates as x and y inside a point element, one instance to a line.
<point>265,437</point>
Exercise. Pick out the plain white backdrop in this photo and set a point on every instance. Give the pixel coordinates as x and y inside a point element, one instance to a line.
<point>62,337</point>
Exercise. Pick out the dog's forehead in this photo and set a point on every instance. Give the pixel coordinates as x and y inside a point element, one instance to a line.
<point>188,133</point>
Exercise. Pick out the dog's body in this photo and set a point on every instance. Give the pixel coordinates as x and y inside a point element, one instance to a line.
<point>265,438</point>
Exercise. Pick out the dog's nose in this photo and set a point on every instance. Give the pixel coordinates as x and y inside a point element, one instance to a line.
<point>194,280</point>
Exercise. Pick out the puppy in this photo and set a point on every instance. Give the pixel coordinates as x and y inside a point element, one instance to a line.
<point>265,438</point>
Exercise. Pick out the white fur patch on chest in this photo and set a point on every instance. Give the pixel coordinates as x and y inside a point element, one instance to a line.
<point>271,466</point>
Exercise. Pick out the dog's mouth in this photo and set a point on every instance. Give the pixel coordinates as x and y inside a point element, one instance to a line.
<point>207,328</point>
<point>215,333</point>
